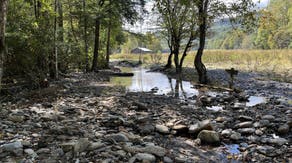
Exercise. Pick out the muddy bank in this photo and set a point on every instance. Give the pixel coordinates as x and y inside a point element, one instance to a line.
<point>84,118</point>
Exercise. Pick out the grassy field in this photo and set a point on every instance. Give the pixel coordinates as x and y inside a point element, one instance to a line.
<point>277,64</point>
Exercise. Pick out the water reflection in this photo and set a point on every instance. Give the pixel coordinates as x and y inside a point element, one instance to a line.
<point>156,82</point>
<point>254,100</point>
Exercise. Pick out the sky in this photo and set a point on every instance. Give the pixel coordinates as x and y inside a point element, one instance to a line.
<point>148,25</point>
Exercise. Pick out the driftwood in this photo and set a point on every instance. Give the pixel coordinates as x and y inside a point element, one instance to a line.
<point>123,74</point>
<point>214,87</point>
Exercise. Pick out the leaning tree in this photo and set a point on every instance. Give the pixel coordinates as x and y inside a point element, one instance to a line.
<point>239,12</point>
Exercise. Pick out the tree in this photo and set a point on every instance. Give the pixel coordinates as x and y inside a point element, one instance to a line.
<point>3,12</point>
<point>178,20</point>
<point>208,10</point>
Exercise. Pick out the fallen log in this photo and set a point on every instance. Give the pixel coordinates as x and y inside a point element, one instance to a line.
<point>123,74</point>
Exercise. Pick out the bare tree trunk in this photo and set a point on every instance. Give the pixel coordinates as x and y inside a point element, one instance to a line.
<point>60,21</point>
<point>176,53</point>
<point>85,36</point>
<point>200,67</point>
<point>169,60</point>
<point>96,45</point>
<point>188,46</point>
<point>108,44</point>
<point>3,14</point>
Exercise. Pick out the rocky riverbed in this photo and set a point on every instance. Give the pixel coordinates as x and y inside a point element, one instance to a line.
<point>82,118</point>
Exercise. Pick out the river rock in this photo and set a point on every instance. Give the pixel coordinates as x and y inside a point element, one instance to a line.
<point>266,150</point>
<point>95,145</point>
<point>246,131</point>
<point>180,129</point>
<point>203,125</point>
<point>284,129</point>
<point>152,149</point>
<point>30,152</point>
<point>145,157</point>
<point>146,129</point>
<point>278,141</point>
<point>244,118</point>
<point>162,129</point>
<point>244,124</point>
<point>119,137</point>
<point>16,118</point>
<point>15,148</point>
<point>268,117</point>
<point>210,137</point>
<point>235,136</point>
<point>226,132</point>
<point>81,145</point>
<point>167,160</point>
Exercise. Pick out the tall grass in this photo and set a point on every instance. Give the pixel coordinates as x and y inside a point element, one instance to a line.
<point>275,63</point>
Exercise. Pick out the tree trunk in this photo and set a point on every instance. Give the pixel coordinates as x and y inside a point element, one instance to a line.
<point>169,61</point>
<point>85,36</point>
<point>200,67</point>
<point>108,44</point>
<point>60,21</point>
<point>176,59</point>
<point>189,44</point>
<point>3,13</point>
<point>96,45</point>
<point>54,58</point>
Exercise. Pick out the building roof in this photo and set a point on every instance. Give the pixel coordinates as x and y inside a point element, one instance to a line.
<point>143,49</point>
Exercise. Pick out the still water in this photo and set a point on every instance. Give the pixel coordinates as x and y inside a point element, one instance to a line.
<point>156,82</point>
<point>160,84</point>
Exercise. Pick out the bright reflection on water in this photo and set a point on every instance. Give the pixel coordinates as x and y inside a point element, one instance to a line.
<point>254,100</point>
<point>144,81</point>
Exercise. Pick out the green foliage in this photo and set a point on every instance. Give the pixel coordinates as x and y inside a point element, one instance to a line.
<point>273,30</point>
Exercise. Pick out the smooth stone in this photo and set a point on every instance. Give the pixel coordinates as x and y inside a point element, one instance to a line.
<point>167,160</point>
<point>145,157</point>
<point>15,147</point>
<point>208,136</point>
<point>180,129</point>
<point>235,136</point>
<point>16,118</point>
<point>162,129</point>
<point>264,122</point>
<point>284,129</point>
<point>246,130</point>
<point>266,150</point>
<point>268,117</point>
<point>119,137</point>
<point>203,125</point>
<point>244,124</point>
<point>69,146</point>
<point>180,159</point>
<point>146,129</point>
<point>226,132</point>
<point>278,141</point>
<point>29,151</point>
<point>244,118</point>
<point>259,132</point>
<point>95,145</point>
<point>81,145</point>
<point>152,149</point>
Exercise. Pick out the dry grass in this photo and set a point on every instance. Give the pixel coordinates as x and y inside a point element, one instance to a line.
<point>275,63</point>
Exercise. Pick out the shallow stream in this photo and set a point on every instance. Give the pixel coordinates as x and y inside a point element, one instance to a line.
<point>160,84</point>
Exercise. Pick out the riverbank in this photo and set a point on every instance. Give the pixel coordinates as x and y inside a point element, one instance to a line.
<point>274,64</point>
<point>84,118</point>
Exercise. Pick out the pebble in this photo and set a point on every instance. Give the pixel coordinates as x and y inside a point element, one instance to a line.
<point>284,129</point>
<point>203,125</point>
<point>145,157</point>
<point>162,129</point>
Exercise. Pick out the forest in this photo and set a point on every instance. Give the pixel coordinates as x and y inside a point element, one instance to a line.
<point>145,81</point>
